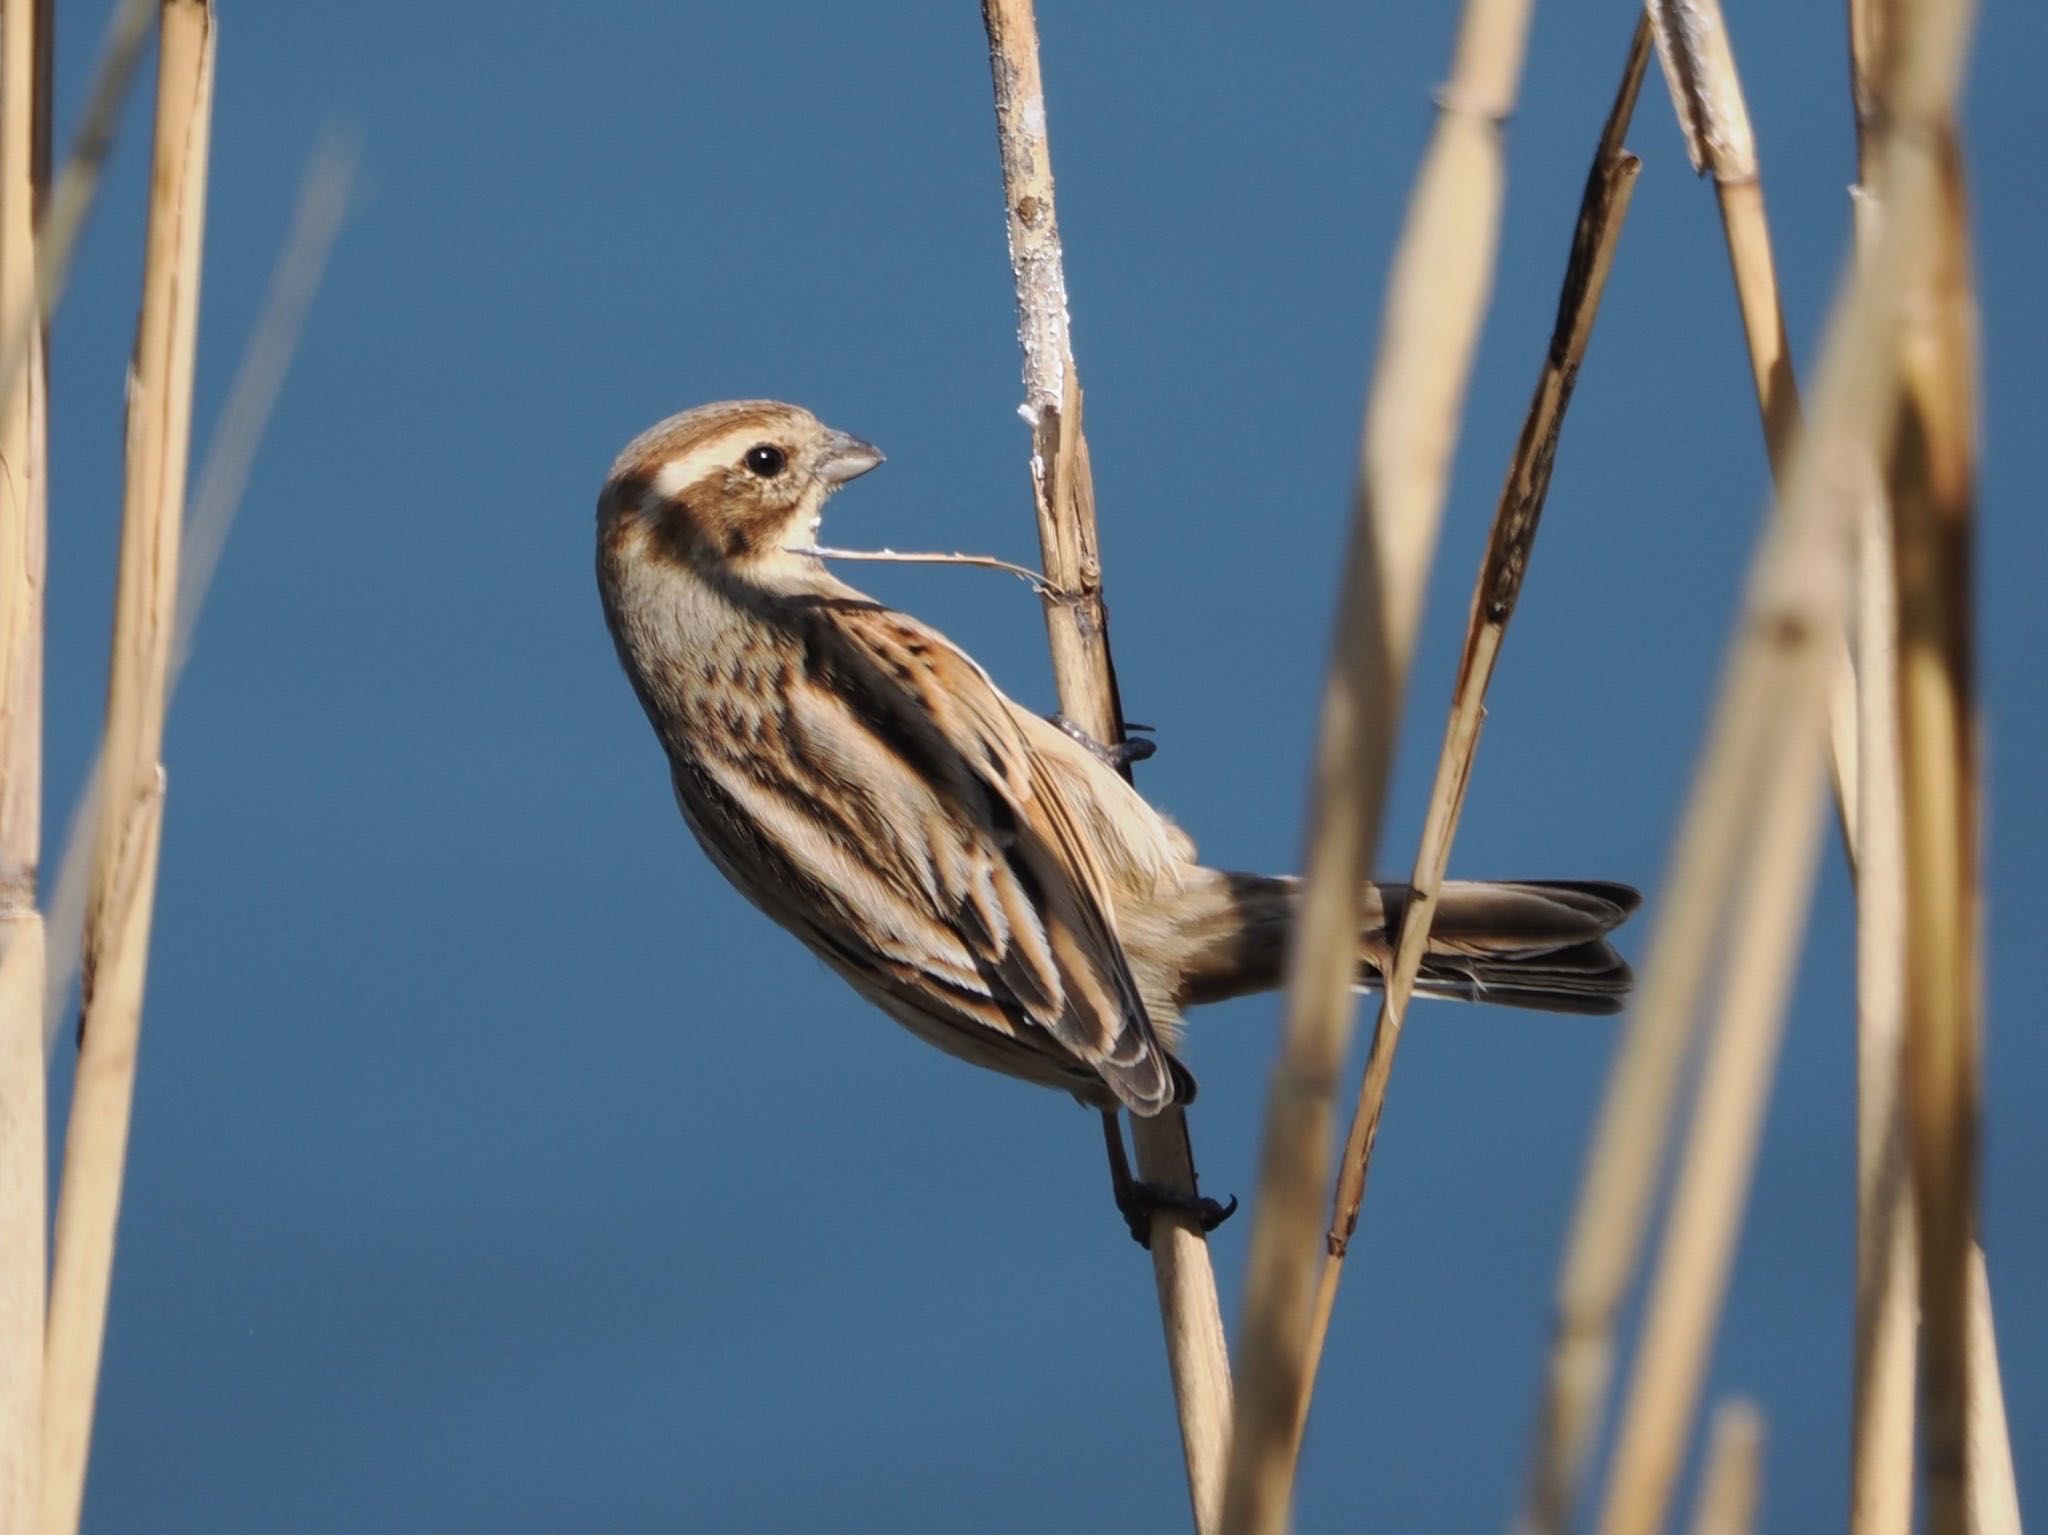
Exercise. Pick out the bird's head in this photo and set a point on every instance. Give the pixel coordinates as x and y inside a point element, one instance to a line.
<point>735,485</point>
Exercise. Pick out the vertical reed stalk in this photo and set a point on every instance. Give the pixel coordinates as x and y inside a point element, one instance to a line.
<point>130,820</point>
<point>216,498</point>
<point>1933,506</point>
<point>1887,1305</point>
<point>24,1143</point>
<point>1732,1486</point>
<point>1781,667</point>
<point>1436,299</point>
<point>1602,207</point>
<point>1077,630</point>
<point>1706,91</point>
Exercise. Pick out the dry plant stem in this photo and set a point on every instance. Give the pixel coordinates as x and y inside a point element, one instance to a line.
<point>1732,1487</point>
<point>1077,630</point>
<point>70,197</point>
<point>1706,91</point>
<point>131,818</point>
<point>1933,506</point>
<point>324,193</point>
<point>1609,185</point>
<point>1436,299</point>
<point>1887,1301</point>
<point>1030,578</point>
<point>23,1132</point>
<point>1881,1459</point>
<point>1994,1493</point>
<point>1796,604</point>
<point>1719,1158</point>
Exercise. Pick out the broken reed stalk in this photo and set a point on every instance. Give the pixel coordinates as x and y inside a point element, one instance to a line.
<point>1077,631</point>
<point>1436,299</point>
<point>1887,1305</point>
<point>1602,208</point>
<point>24,1143</point>
<point>1731,1488</point>
<point>131,812</point>
<point>1933,491</point>
<point>1706,92</point>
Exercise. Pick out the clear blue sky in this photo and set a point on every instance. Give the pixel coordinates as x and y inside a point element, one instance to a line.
<point>496,1168</point>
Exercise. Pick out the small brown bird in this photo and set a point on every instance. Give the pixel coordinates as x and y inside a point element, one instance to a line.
<point>976,872</point>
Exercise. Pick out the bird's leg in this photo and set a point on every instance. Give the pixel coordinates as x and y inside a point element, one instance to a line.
<point>1136,1200</point>
<point>1119,756</point>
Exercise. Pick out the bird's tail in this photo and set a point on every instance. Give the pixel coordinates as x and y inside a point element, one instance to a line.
<point>1523,943</point>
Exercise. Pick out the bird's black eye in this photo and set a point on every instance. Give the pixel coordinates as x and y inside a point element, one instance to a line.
<point>765,459</point>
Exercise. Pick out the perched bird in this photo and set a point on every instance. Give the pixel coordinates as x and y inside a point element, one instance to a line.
<point>983,877</point>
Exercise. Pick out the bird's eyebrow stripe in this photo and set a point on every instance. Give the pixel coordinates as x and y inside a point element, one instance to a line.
<point>679,474</point>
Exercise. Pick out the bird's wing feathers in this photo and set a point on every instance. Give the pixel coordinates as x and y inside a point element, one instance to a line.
<point>1024,889</point>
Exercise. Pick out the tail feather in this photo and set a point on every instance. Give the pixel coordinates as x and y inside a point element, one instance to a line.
<point>1528,943</point>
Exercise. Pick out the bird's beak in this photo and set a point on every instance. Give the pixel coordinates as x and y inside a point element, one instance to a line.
<point>846,458</point>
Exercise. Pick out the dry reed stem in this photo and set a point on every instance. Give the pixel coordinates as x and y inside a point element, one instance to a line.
<point>1881,1457</point>
<point>1436,299</point>
<point>324,193</point>
<point>70,197</point>
<point>1077,631</point>
<point>1732,1486</point>
<point>1933,506</point>
<point>1994,1492</point>
<point>131,820</point>
<point>1706,92</point>
<point>1709,1196</point>
<point>1602,208</point>
<point>1887,1300</point>
<point>1795,604</point>
<point>24,1144</point>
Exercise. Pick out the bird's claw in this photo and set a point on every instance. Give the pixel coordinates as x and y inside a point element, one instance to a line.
<point>1118,757</point>
<point>1141,1201</point>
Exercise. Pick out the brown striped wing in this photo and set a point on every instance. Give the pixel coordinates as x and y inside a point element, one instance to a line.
<point>1021,888</point>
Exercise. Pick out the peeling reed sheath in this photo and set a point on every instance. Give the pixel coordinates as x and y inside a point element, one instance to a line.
<point>1602,208</point>
<point>1077,629</point>
<point>24,1146</point>
<point>130,821</point>
<point>1435,302</point>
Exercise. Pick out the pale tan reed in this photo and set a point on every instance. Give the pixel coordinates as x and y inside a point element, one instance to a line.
<point>1994,1495</point>
<point>71,195</point>
<point>24,100</point>
<point>1436,299</point>
<point>1077,630</point>
<point>1887,1307</point>
<point>1596,231</point>
<point>1776,683</point>
<point>1706,92</point>
<point>316,222</point>
<point>1887,1310</point>
<point>1731,1488</point>
<point>131,819</point>
<point>1933,490</point>
<point>1699,66</point>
